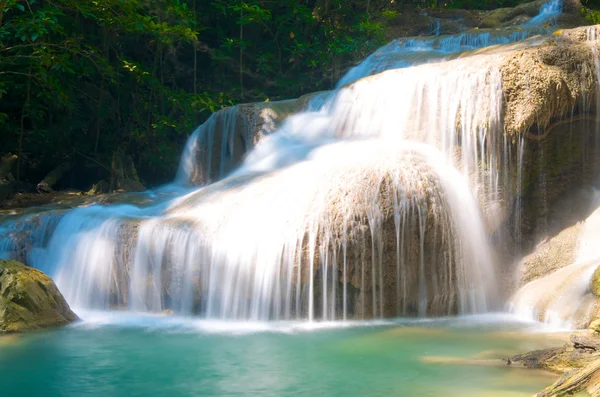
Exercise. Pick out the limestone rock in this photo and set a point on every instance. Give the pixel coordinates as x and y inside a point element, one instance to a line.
<point>575,355</point>
<point>551,255</point>
<point>595,327</point>
<point>29,300</point>
<point>584,382</point>
<point>502,16</point>
<point>595,283</point>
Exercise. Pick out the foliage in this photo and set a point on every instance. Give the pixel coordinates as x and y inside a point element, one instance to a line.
<point>81,79</point>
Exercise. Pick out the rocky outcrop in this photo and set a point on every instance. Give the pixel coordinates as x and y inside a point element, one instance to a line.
<point>511,16</point>
<point>29,300</point>
<point>584,383</point>
<point>581,350</point>
<point>578,361</point>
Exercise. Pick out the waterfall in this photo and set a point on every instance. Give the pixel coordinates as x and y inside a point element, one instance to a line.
<point>372,202</point>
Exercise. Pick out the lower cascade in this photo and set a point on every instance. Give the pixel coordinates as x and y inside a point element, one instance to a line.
<point>361,229</point>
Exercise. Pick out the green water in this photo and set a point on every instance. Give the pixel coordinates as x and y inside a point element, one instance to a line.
<point>119,355</point>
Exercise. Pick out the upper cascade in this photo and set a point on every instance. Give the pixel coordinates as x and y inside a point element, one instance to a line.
<point>233,130</point>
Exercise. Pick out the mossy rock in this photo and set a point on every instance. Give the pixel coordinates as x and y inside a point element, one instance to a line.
<point>595,283</point>
<point>595,327</point>
<point>29,300</point>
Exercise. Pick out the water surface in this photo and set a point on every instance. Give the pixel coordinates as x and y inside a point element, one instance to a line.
<point>130,355</point>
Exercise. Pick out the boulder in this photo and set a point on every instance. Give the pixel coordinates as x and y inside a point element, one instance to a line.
<point>29,300</point>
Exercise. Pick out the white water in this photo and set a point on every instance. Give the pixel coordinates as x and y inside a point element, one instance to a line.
<point>563,298</point>
<point>368,206</point>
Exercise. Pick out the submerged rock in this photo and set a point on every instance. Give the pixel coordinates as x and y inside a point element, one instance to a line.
<point>29,300</point>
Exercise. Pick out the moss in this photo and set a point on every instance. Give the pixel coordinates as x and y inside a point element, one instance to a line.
<point>29,300</point>
<point>595,283</point>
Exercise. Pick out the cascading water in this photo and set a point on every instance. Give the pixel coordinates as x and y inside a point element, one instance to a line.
<point>563,298</point>
<point>367,205</point>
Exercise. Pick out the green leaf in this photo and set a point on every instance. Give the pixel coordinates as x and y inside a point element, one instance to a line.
<point>20,7</point>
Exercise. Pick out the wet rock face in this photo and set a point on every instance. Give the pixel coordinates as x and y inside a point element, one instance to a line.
<point>29,300</point>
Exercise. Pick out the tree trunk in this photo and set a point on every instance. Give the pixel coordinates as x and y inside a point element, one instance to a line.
<point>6,164</point>
<point>124,175</point>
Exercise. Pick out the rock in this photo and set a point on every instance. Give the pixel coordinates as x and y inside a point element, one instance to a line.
<point>29,300</point>
<point>595,283</point>
<point>551,255</point>
<point>576,354</point>
<point>584,382</point>
<point>504,16</point>
<point>578,362</point>
<point>595,327</point>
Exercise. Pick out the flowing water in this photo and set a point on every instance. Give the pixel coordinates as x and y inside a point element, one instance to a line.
<point>563,298</point>
<point>368,205</point>
<point>135,355</point>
